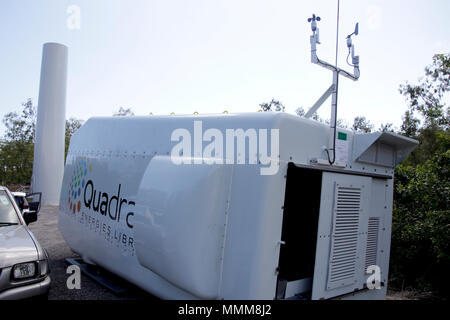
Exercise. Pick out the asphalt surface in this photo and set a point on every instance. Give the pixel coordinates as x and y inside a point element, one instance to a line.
<point>47,232</point>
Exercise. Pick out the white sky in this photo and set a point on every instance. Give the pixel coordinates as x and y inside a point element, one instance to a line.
<point>210,56</point>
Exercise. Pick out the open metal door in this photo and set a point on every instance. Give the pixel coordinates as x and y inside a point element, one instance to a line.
<point>342,235</point>
<point>34,201</point>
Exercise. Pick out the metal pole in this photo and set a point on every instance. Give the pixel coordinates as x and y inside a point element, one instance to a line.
<point>333,90</point>
<point>337,35</point>
<point>334,98</point>
<point>333,120</point>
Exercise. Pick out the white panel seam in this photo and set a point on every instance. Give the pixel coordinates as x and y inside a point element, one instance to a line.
<point>225,232</point>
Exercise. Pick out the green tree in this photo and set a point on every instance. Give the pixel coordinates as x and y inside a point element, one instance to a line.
<point>410,125</point>
<point>362,125</point>
<point>16,163</point>
<point>420,254</point>
<point>300,112</point>
<point>72,125</point>
<point>16,149</point>
<point>341,123</point>
<point>428,96</point>
<point>273,105</point>
<point>386,127</point>
<point>122,112</point>
<point>427,117</point>
<point>21,126</point>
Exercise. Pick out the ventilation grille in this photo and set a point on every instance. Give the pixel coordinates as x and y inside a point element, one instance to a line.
<point>345,236</point>
<point>372,242</point>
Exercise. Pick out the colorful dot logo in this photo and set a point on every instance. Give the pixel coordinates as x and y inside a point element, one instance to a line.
<point>77,184</point>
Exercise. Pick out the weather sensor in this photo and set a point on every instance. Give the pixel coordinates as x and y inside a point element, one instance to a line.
<point>333,89</point>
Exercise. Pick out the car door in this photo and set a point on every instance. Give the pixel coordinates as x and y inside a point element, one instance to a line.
<point>34,201</point>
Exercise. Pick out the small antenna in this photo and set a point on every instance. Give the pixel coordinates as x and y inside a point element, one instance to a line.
<point>337,34</point>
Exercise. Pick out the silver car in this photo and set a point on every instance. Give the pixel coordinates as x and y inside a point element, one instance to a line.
<point>24,269</point>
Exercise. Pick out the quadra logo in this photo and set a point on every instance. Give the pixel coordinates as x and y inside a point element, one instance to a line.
<point>213,153</point>
<point>82,191</point>
<point>91,196</point>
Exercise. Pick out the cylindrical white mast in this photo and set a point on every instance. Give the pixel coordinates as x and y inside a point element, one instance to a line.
<point>48,165</point>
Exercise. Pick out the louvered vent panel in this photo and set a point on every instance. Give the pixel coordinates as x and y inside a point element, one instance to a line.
<point>345,236</point>
<point>372,242</point>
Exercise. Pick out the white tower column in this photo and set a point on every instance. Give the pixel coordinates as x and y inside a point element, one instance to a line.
<point>48,165</point>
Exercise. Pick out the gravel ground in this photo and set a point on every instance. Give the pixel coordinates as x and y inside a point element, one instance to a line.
<point>47,232</point>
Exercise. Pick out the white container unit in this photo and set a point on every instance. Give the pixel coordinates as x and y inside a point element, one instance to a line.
<point>305,229</point>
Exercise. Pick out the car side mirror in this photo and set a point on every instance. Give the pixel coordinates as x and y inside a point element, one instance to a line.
<point>30,217</point>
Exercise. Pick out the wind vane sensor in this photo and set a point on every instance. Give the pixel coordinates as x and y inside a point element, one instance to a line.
<point>333,89</point>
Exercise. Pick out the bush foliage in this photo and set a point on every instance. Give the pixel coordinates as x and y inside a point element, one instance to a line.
<point>420,255</point>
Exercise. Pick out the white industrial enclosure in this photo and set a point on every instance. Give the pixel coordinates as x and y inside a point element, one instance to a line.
<point>48,163</point>
<point>205,230</point>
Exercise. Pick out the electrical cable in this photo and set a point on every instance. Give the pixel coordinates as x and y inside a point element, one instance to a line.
<point>349,52</point>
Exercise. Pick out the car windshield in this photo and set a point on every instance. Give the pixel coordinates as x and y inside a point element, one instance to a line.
<point>8,214</point>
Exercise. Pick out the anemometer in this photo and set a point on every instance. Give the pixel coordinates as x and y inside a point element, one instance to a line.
<point>333,89</point>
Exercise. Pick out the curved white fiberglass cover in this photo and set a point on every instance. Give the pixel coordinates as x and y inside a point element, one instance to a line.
<point>180,221</point>
<point>189,230</point>
<point>127,207</point>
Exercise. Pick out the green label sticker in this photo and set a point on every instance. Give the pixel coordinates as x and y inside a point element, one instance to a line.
<point>342,136</point>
